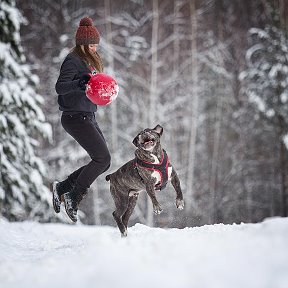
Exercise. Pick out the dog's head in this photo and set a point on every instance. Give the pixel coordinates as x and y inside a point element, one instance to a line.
<point>148,139</point>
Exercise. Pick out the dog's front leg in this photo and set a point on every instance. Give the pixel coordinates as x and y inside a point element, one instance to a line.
<point>151,192</point>
<point>176,184</point>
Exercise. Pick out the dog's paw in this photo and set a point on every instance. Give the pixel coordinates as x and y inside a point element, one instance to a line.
<point>124,234</point>
<point>157,209</point>
<point>180,204</point>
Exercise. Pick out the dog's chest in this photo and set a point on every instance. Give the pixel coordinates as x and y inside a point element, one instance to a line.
<point>156,174</point>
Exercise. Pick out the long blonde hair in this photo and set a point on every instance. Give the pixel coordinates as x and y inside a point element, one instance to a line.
<point>93,60</point>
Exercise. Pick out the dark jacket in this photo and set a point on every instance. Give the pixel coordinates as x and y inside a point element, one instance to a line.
<point>70,96</point>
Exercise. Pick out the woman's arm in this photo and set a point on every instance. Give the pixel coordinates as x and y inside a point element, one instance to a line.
<point>65,82</point>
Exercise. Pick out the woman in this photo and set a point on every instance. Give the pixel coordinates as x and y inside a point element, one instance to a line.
<point>78,118</point>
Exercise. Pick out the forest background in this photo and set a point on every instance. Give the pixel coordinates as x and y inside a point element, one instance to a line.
<point>213,73</point>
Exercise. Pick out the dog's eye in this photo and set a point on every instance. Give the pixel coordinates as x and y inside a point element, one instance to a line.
<point>143,132</point>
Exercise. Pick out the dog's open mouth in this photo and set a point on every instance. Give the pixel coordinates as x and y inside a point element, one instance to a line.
<point>148,142</point>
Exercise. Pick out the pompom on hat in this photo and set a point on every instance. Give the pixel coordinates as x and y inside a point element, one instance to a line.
<point>87,33</point>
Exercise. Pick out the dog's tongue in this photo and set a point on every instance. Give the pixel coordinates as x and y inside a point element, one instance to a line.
<point>148,142</point>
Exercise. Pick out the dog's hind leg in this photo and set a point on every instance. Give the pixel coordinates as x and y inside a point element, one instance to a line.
<point>121,204</point>
<point>120,224</point>
<point>131,205</point>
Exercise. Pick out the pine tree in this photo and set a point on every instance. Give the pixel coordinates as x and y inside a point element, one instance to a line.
<point>265,81</point>
<point>22,192</point>
<point>266,76</point>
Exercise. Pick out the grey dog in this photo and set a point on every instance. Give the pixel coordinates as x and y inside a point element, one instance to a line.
<point>150,170</point>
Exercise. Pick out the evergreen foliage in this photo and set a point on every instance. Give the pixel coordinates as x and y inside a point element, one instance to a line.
<point>22,192</point>
<point>266,76</point>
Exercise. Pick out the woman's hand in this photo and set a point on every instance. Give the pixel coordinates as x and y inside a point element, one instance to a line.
<point>84,79</point>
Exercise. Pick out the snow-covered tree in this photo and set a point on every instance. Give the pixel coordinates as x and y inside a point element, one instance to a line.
<point>267,73</point>
<point>266,84</point>
<point>22,192</point>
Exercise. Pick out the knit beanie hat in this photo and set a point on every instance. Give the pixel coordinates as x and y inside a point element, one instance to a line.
<point>87,33</point>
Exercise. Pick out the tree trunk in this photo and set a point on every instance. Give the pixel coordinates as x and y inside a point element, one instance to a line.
<point>217,128</point>
<point>282,166</point>
<point>2,193</point>
<point>215,160</point>
<point>176,61</point>
<point>283,14</point>
<point>110,71</point>
<point>194,104</point>
<point>283,178</point>
<point>153,91</point>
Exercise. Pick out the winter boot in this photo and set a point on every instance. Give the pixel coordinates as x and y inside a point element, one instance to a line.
<point>58,189</point>
<point>72,200</point>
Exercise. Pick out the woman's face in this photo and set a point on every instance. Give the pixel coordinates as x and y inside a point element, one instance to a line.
<point>93,48</point>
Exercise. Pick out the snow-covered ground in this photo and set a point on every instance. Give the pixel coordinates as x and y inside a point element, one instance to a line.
<point>58,255</point>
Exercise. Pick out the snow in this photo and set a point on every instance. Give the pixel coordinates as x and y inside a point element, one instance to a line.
<point>254,98</point>
<point>250,52</point>
<point>14,15</point>
<point>59,255</point>
<point>260,32</point>
<point>285,140</point>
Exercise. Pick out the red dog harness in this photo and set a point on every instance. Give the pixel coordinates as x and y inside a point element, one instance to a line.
<point>161,168</point>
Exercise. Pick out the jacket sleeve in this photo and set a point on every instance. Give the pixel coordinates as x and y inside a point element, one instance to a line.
<point>66,81</point>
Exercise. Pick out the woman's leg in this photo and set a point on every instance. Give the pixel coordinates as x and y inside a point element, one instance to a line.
<point>85,130</point>
<point>68,184</point>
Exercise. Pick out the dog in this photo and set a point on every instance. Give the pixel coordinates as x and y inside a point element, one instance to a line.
<point>150,170</point>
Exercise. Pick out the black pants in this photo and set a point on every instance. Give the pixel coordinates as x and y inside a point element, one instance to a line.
<point>85,130</point>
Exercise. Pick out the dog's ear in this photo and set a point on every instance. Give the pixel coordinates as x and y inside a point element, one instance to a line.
<point>135,140</point>
<point>158,129</point>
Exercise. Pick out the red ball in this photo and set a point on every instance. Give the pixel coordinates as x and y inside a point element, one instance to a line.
<point>102,89</point>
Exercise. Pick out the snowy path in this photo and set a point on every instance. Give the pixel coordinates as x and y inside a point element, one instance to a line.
<point>58,255</point>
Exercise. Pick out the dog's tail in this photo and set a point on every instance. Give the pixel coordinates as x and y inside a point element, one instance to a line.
<point>108,177</point>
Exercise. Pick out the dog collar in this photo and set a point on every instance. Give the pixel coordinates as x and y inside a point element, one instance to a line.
<point>161,168</point>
